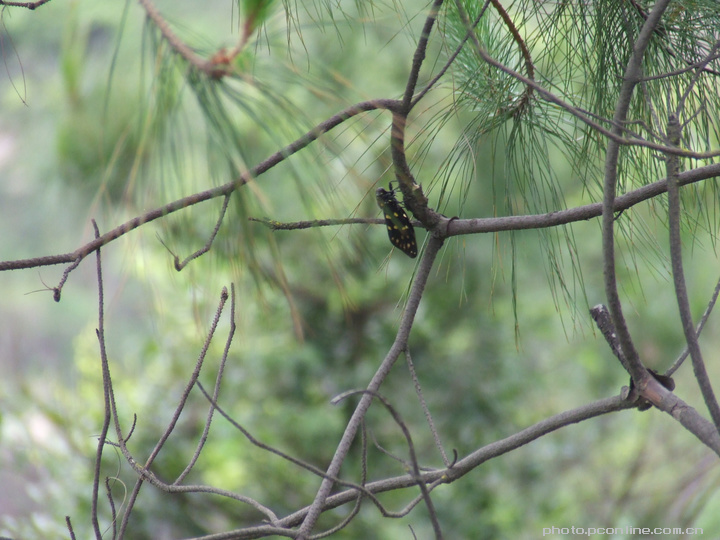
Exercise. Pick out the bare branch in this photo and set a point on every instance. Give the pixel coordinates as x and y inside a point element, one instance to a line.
<point>220,191</point>
<point>674,133</point>
<point>419,57</point>
<point>401,339</point>
<point>413,456</point>
<point>632,76</point>
<point>106,394</point>
<point>216,391</point>
<point>180,265</point>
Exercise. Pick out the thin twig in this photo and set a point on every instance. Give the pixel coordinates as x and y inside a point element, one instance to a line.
<point>601,316</point>
<point>180,265</point>
<point>274,225</point>
<point>419,56</point>
<point>106,396</point>
<point>425,408</point>
<point>216,391</point>
<point>448,475</point>
<point>143,471</point>
<point>70,528</point>
<point>113,510</point>
<point>449,61</point>
<point>527,93</point>
<point>288,457</point>
<point>698,330</point>
<point>415,471</point>
<point>191,382</point>
<point>712,54</point>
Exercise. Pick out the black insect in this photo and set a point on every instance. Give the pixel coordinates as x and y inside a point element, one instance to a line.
<point>400,230</point>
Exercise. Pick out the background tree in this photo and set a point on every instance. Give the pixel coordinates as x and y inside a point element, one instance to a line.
<point>233,399</point>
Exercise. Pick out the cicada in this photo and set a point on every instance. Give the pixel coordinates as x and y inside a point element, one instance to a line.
<point>400,230</point>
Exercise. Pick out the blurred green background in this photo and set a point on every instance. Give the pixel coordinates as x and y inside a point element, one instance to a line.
<point>99,122</point>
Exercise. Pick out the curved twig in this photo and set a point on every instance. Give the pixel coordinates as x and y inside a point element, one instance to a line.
<point>527,94</point>
<point>630,80</point>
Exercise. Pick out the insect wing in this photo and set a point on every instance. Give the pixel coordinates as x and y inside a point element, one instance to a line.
<point>400,230</point>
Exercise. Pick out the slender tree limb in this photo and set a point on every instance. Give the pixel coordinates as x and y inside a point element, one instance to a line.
<point>711,55</point>
<point>412,192</point>
<point>419,56</point>
<point>274,225</point>
<point>449,61</point>
<point>401,339</point>
<point>220,191</point>
<point>106,397</point>
<point>216,391</point>
<point>579,213</point>
<point>674,218</point>
<point>601,316</point>
<point>457,471</point>
<point>415,468</point>
<point>458,226</point>
<point>144,473</point>
<point>359,488</point>
<point>632,75</point>
<point>113,510</point>
<point>180,265</point>
<point>69,526</point>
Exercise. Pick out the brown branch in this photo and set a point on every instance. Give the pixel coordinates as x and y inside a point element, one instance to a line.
<point>180,265</point>
<point>579,213</point>
<point>673,166</point>
<point>425,408</point>
<point>411,450</point>
<point>106,395</point>
<point>419,56</point>
<point>401,339</point>
<point>458,226</point>
<point>220,191</point>
<point>445,475</point>
<point>216,391</point>
<point>450,59</point>
<point>632,75</point>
